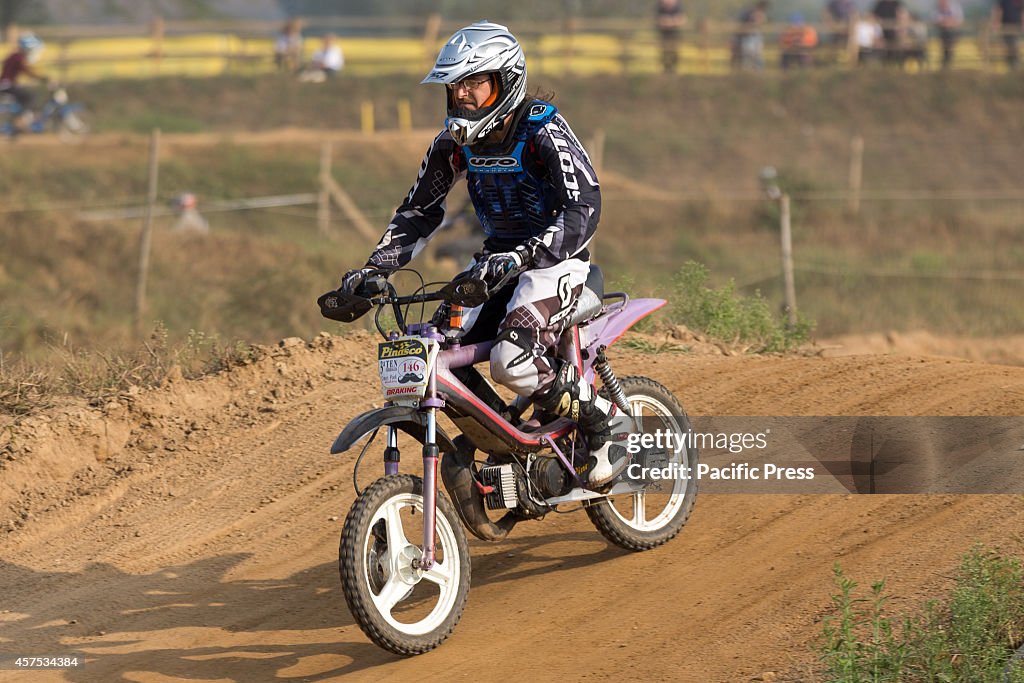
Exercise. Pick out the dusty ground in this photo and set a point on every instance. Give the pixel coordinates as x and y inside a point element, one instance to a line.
<point>190,533</point>
<point>1007,350</point>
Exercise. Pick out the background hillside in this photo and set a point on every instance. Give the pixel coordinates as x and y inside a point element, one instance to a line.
<point>935,245</point>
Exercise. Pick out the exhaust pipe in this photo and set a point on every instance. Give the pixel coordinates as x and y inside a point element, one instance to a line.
<point>457,475</point>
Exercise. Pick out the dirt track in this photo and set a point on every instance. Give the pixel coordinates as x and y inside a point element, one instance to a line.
<point>191,533</point>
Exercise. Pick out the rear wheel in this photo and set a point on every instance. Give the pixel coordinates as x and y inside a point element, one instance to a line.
<point>399,606</point>
<point>649,518</point>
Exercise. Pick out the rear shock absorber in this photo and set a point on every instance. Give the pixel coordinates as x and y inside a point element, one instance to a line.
<point>610,381</point>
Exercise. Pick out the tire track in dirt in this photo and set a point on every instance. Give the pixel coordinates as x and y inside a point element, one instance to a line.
<point>233,577</point>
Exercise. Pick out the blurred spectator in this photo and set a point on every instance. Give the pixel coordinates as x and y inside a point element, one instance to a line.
<point>797,42</point>
<point>288,46</point>
<point>1008,20</point>
<point>867,35</point>
<point>912,38</point>
<point>748,43</point>
<point>326,62</point>
<point>887,12</point>
<point>670,20</point>
<point>949,16</point>
<point>839,15</point>
<point>189,218</point>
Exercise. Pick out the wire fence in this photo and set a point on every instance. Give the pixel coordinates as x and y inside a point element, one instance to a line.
<point>857,265</point>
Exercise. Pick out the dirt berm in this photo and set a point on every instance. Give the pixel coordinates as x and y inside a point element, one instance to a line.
<point>190,533</point>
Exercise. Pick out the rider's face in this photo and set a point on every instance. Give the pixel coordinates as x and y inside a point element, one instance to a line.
<point>472,93</point>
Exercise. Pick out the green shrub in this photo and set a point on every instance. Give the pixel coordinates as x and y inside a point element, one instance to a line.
<point>970,639</point>
<point>723,314</point>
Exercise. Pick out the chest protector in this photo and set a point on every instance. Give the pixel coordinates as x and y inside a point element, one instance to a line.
<point>510,201</point>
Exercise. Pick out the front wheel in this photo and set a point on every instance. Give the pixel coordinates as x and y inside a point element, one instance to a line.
<point>399,606</point>
<point>649,518</point>
<point>71,127</point>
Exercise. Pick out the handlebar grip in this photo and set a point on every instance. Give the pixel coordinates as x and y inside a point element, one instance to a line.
<point>469,292</point>
<point>374,286</point>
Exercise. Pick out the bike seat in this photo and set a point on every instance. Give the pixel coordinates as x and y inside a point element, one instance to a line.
<point>591,298</point>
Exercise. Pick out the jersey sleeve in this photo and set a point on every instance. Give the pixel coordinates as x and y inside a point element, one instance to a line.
<point>571,175</point>
<point>423,209</point>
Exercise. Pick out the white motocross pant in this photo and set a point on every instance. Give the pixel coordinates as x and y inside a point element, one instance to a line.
<point>534,318</point>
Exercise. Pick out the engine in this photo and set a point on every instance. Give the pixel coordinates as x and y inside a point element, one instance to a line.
<point>514,488</point>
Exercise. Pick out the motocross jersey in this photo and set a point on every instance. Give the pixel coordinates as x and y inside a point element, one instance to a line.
<point>13,66</point>
<point>539,190</point>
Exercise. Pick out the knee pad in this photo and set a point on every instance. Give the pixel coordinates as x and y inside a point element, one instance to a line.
<point>512,360</point>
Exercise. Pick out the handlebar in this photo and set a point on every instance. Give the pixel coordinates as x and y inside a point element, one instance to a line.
<point>347,307</point>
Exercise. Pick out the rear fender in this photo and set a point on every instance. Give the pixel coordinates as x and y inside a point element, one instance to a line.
<point>605,330</point>
<point>409,420</point>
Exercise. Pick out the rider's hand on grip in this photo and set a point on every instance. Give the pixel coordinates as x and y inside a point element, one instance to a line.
<point>364,282</point>
<point>353,280</point>
<point>352,299</point>
<point>498,269</point>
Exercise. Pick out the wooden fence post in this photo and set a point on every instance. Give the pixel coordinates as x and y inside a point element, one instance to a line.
<point>145,239</point>
<point>331,190</point>
<point>625,52</point>
<point>596,151</point>
<point>366,117</point>
<point>856,173</point>
<point>63,60</point>
<point>323,200</point>
<point>430,31</point>
<point>569,27</point>
<point>787,259</point>
<point>156,34</point>
<point>404,116</point>
<point>852,48</point>
<point>704,43</point>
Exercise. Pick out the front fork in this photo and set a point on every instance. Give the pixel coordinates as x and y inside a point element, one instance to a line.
<point>431,454</point>
<point>430,457</point>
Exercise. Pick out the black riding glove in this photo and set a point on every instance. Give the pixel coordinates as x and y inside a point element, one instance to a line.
<point>498,269</point>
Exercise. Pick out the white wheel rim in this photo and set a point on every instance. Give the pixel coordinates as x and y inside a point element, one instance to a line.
<point>638,519</point>
<point>401,577</point>
<point>71,128</point>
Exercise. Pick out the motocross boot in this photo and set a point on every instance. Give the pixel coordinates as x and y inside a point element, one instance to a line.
<point>604,426</point>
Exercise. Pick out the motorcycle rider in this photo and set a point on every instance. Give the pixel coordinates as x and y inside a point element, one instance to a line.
<point>17,63</point>
<point>537,196</point>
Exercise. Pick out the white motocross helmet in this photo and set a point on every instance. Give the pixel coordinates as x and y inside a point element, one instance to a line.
<point>481,48</point>
<point>31,46</point>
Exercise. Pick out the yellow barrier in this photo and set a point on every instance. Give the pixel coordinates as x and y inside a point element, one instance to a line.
<point>214,53</point>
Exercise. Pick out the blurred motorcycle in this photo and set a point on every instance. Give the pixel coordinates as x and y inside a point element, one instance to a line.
<point>57,115</point>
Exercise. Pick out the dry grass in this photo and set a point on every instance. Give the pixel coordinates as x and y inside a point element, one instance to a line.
<point>98,376</point>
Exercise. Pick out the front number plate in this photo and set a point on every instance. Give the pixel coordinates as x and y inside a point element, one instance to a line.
<point>405,367</point>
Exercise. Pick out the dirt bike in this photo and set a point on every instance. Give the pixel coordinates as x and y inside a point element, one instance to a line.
<point>57,115</point>
<point>403,557</point>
